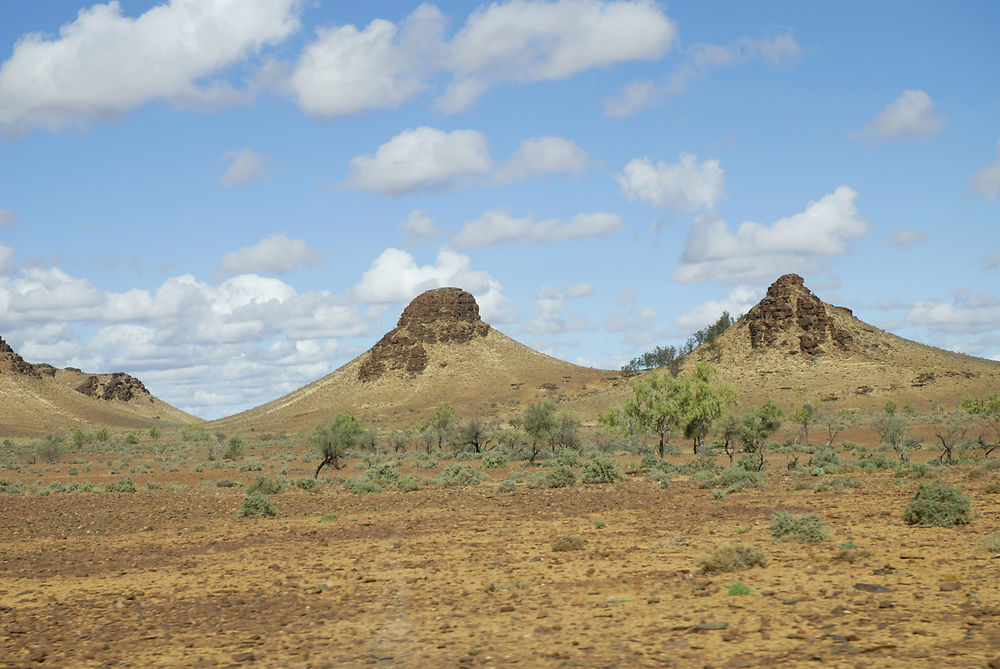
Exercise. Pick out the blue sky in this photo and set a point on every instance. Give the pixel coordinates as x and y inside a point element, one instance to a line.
<point>232,198</point>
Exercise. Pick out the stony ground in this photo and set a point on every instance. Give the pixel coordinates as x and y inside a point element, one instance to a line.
<point>468,577</point>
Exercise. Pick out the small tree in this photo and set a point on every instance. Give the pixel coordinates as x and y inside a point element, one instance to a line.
<point>755,426</point>
<point>950,429</point>
<point>335,438</point>
<point>567,432</point>
<point>804,416</point>
<point>834,422</point>
<point>78,438</point>
<point>154,432</point>
<point>539,422</point>
<point>439,426</point>
<point>891,431</point>
<point>102,435</point>
<point>399,440</point>
<point>654,407</point>
<point>702,403</point>
<point>475,434</point>
<point>190,432</point>
<point>987,411</point>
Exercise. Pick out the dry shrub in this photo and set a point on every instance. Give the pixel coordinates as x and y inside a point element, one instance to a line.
<point>733,557</point>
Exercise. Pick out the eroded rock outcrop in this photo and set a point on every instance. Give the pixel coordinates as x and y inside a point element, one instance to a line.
<point>12,363</point>
<point>443,315</point>
<point>117,386</point>
<point>791,314</point>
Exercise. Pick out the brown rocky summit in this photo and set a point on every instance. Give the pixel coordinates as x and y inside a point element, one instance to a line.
<point>439,316</point>
<point>790,315</point>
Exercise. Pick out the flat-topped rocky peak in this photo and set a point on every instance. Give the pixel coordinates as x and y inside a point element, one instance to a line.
<point>442,315</point>
<point>791,317</point>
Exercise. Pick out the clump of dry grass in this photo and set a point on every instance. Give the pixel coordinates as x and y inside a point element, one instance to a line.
<point>570,542</point>
<point>733,557</point>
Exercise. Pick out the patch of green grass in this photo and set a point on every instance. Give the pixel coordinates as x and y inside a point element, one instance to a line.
<point>737,589</point>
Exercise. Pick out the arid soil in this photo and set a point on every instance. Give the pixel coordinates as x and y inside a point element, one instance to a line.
<point>468,576</point>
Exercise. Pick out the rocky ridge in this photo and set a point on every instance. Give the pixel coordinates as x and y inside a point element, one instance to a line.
<point>439,316</point>
<point>792,318</point>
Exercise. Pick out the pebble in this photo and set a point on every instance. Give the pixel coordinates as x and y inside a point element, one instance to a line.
<point>948,586</point>
<point>871,587</point>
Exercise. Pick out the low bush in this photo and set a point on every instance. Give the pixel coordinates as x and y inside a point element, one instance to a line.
<point>307,484</point>
<point>125,485</point>
<point>507,485</point>
<point>938,505</point>
<point>226,483</point>
<point>560,476</point>
<point>361,485</point>
<point>10,487</point>
<point>729,478</point>
<point>408,483</point>
<point>738,589</point>
<point>383,472</point>
<point>569,457</point>
<point>826,460</point>
<point>808,527</point>
<point>268,485</point>
<point>493,461</point>
<point>460,475</point>
<point>252,467</point>
<point>873,461</point>
<point>256,505</point>
<point>570,542</point>
<point>732,557</point>
<point>849,552</point>
<point>602,470</point>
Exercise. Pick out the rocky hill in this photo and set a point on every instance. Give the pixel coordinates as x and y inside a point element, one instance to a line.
<point>793,347</point>
<point>39,398</point>
<point>440,351</point>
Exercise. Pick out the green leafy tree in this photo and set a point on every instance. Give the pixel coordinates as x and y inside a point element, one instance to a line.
<point>194,432</point>
<point>439,426</point>
<point>336,438</point>
<point>804,416</point>
<point>703,402</point>
<point>987,411</point>
<point>655,407</point>
<point>670,357</point>
<point>78,438</point>
<point>102,435</point>
<point>475,434</point>
<point>755,426</point>
<point>539,423</point>
<point>399,440</point>
<point>154,432</point>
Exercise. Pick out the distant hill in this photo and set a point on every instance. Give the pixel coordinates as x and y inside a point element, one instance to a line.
<point>440,351</point>
<point>38,398</point>
<point>793,347</point>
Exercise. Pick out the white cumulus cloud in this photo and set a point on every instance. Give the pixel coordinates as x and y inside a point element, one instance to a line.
<point>104,64</point>
<point>420,159</point>
<point>7,265</point>
<point>822,230</point>
<point>967,313</point>
<point>550,310</point>
<point>418,228</point>
<point>699,61</point>
<point>911,115</point>
<point>986,182</point>
<point>395,276</point>
<point>738,302</point>
<point>542,155</point>
<point>346,70</point>
<point>497,226</point>
<point>276,254</point>
<point>686,185</point>
<point>526,41</point>
<point>244,166</point>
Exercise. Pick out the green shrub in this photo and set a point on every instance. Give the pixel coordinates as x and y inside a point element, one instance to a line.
<point>738,589</point>
<point>873,461</point>
<point>234,449</point>
<point>256,505</point>
<point>916,470</point>
<point>560,476</point>
<point>602,470</point>
<point>10,487</point>
<point>51,488</point>
<point>718,494</point>
<point>307,484</point>
<point>383,472</point>
<point>493,461</point>
<point>460,475</point>
<point>125,485</point>
<point>739,477</point>
<point>569,457</point>
<point>226,483</point>
<point>361,485</point>
<point>570,542</point>
<point>408,483</point>
<point>507,485</point>
<point>252,467</point>
<point>808,527</point>
<point>732,557</point>
<point>81,486</point>
<point>268,485</point>
<point>826,460</point>
<point>938,505</point>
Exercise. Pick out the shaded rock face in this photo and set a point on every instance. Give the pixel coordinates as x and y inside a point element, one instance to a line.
<point>117,386</point>
<point>12,363</point>
<point>789,308</point>
<point>443,315</point>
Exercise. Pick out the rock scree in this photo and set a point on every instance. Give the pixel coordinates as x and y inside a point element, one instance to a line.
<point>789,308</point>
<point>442,315</point>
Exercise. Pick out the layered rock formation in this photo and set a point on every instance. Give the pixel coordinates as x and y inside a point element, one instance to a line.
<point>440,316</point>
<point>791,317</point>
<point>117,386</point>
